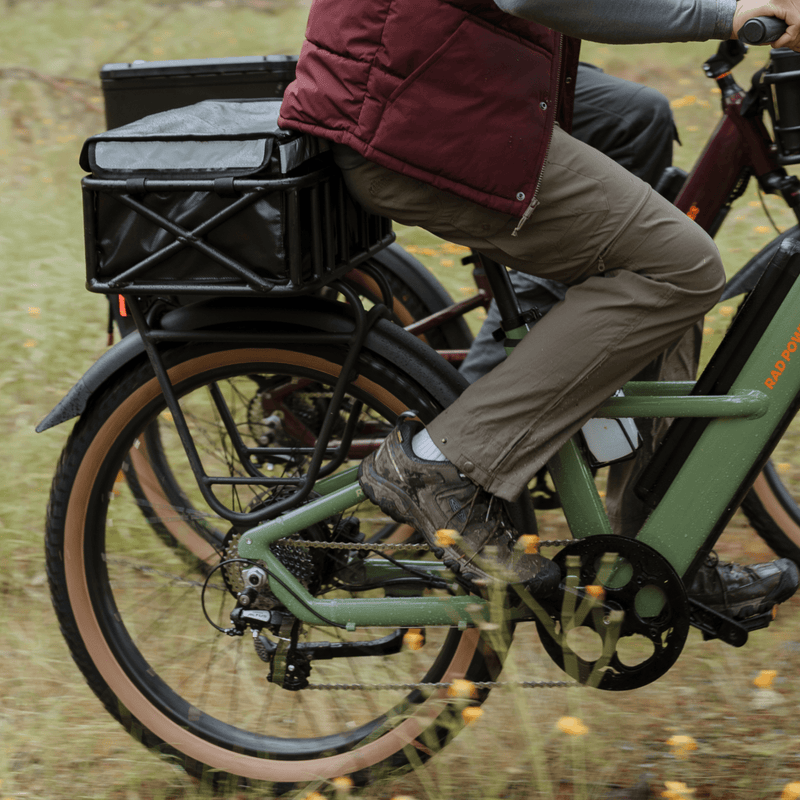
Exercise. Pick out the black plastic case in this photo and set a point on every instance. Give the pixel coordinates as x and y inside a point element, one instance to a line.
<point>135,90</point>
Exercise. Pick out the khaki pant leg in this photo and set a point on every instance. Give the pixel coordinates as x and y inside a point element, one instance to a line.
<point>640,275</point>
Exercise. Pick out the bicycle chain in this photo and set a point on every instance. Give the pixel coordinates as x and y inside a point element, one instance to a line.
<point>393,547</point>
<point>378,687</point>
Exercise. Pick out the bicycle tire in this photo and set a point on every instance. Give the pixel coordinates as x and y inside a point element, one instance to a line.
<point>129,610</point>
<point>774,513</point>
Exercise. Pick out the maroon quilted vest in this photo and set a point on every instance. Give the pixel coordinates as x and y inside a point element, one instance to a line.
<point>453,92</point>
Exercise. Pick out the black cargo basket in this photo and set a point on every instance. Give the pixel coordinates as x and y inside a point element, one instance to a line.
<point>214,198</point>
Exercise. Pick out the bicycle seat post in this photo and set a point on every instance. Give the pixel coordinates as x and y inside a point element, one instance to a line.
<point>512,319</point>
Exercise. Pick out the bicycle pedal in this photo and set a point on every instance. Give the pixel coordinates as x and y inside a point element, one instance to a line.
<point>759,621</point>
<point>714,625</point>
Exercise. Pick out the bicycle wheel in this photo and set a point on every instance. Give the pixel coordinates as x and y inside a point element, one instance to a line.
<point>129,602</point>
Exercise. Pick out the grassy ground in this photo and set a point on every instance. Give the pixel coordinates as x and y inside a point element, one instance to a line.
<point>57,742</point>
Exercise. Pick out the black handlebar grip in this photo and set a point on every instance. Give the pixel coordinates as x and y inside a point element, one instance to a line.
<point>761,30</point>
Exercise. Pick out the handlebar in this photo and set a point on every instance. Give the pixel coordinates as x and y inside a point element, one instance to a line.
<point>761,30</point>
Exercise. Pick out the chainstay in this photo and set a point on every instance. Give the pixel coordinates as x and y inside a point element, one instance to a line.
<point>375,687</point>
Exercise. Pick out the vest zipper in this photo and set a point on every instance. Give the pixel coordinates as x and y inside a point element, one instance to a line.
<point>534,204</point>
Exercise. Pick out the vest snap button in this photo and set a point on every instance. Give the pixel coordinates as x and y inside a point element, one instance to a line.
<point>520,195</point>
<point>543,105</point>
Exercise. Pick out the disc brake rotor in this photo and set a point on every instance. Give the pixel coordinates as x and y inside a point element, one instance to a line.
<point>624,614</point>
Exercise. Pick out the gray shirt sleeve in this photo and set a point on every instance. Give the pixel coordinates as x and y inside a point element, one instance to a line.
<point>630,21</point>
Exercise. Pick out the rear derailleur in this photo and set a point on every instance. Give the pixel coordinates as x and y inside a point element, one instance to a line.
<point>289,666</point>
<point>289,659</point>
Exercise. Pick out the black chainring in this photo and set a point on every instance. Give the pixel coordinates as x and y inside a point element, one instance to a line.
<point>614,616</point>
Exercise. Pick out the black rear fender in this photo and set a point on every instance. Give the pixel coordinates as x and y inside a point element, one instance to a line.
<point>407,353</point>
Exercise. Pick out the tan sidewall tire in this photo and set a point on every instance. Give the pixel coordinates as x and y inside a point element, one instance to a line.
<point>139,706</point>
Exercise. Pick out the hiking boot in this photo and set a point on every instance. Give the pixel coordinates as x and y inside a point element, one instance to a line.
<point>741,592</point>
<point>434,495</point>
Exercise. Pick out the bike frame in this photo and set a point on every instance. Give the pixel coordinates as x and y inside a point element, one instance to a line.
<point>710,479</point>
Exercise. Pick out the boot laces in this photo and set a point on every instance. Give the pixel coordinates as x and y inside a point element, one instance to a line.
<point>498,525</point>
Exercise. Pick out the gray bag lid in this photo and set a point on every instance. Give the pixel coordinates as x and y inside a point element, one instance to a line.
<point>214,138</point>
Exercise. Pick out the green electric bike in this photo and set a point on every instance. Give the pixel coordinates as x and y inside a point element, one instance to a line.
<point>222,582</point>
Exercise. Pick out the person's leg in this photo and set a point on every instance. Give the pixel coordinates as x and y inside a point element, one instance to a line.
<point>640,274</point>
<point>631,123</point>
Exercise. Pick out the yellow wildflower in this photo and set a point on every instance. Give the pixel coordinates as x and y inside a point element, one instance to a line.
<point>682,745</point>
<point>764,678</point>
<point>461,688</point>
<point>530,543</point>
<point>413,639</point>
<point>791,791</point>
<point>572,726</point>
<point>471,714</point>
<point>342,784</point>
<point>727,311</point>
<point>447,537</point>
<point>677,790</point>
<point>598,592</point>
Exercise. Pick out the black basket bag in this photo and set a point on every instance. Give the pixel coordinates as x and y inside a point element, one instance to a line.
<point>215,198</point>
